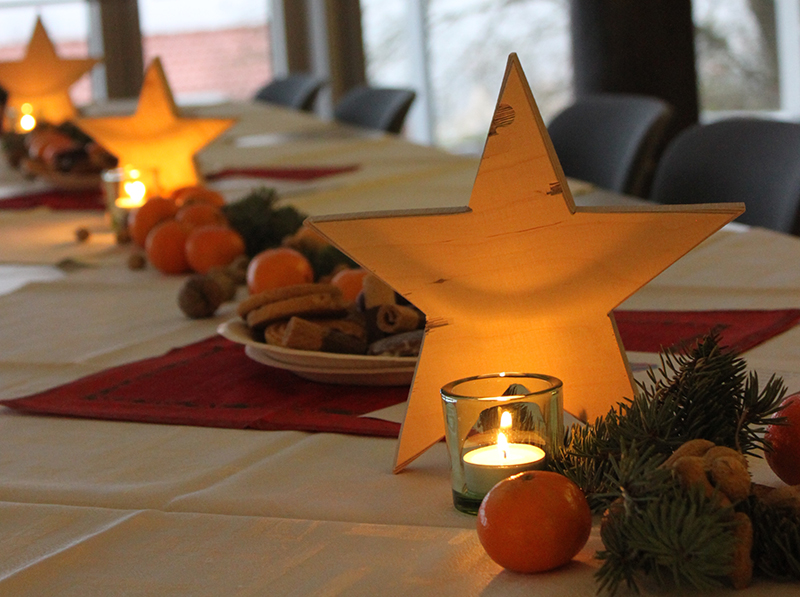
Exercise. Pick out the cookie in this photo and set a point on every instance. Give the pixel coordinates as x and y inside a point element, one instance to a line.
<point>320,304</point>
<point>286,292</point>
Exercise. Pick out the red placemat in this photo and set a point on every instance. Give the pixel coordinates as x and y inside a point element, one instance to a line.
<point>213,383</point>
<point>287,173</point>
<point>650,331</point>
<point>91,199</point>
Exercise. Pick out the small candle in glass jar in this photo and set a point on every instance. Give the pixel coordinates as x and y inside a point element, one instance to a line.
<point>485,467</point>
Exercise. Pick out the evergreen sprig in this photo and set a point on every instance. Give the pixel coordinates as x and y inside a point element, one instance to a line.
<point>653,527</point>
<point>703,393</point>
<point>776,539</point>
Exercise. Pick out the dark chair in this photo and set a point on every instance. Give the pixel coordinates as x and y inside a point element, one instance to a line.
<point>296,91</point>
<point>382,109</point>
<point>740,159</point>
<point>612,140</point>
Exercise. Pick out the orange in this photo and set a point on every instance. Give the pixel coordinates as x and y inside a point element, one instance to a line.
<point>784,458</point>
<point>305,239</point>
<point>197,194</point>
<point>212,245</point>
<point>166,247</point>
<point>275,268</point>
<point>144,219</point>
<point>200,214</point>
<point>534,521</point>
<point>350,282</point>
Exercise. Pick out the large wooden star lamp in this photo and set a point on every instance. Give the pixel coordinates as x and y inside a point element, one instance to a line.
<point>520,279</point>
<point>156,137</point>
<point>42,79</point>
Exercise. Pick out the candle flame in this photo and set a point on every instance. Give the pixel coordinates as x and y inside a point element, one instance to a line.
<point>502,444</point>
<point>135,191</point>
<point>505,420</point>
<point>27,122</point>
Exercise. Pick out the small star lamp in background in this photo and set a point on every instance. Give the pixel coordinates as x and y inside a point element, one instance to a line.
<point>156,137</point>
<point>520,279</point>
<point>38,85</point>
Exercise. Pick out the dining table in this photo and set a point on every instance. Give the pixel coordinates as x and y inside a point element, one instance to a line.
<point>108,502</point>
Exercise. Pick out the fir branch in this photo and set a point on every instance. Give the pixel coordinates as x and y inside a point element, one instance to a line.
<point>776,539</point>
<point>675,536</point>
<point>758,408</point>
<point>703,393</point>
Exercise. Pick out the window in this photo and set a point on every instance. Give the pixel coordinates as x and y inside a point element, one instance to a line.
<point>737,55</point>
<point>67,24</point>
<point>214,50</point>
<point>468,43</point>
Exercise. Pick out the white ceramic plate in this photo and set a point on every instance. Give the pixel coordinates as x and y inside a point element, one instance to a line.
<point>323,366</point>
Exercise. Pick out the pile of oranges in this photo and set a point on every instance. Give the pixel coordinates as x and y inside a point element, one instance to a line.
<point>187,231</point>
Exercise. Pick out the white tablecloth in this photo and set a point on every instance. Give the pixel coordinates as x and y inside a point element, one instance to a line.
<point>108,508</point>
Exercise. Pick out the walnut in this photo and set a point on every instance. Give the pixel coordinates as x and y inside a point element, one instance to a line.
<point>730,476</point>
<point>82,234</point>
<point>221,276</point>
<point>695,447</point>
<point>237,269</point>
<point>691,471</point>
<point>200,296</point>
<point>719,451</point>
<point>137,260</point>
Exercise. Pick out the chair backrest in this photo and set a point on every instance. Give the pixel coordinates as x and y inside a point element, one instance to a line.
<point>740,159</point>
<point>296,91</point>
<point>612,140</point>
<point>377,108</point>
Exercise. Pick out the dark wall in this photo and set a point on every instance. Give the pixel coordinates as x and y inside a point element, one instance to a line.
<point>637,46</point>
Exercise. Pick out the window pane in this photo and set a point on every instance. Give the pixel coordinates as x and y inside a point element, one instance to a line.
<point>736,54</point>
<point>469,43</point>
<point>66,23</point>
<point>384,24</point>
<point>212,50</point>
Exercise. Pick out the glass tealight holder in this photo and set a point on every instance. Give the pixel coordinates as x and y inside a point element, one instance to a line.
<point>22,119</point>
<point>125,189</point>
<point>498,425</point>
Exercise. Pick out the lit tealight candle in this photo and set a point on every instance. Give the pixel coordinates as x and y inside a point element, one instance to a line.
<point>134,192</point>
<point>27,121</point>
<point>486,466</point>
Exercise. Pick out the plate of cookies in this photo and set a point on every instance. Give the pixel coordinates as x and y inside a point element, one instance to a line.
<point>311,330</point>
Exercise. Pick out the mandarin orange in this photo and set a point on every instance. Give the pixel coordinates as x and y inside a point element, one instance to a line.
<point>212,245</point>
<point>784,458</point>
<point>350,282</point>
<point>143,219</point>
<point>197,194</point>
<point>200,214</point>
<point>534,521</point>
<point>166,247</point>
<point>275,268</point>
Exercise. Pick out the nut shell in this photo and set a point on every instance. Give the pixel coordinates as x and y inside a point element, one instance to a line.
<point>200,296</point>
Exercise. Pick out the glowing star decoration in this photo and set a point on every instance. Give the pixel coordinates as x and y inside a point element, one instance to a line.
<point>42,79</point>
<point>521,279</point>
<point>156,137</point>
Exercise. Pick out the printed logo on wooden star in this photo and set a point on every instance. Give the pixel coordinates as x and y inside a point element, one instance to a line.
<point>521,279</point>
<point>156,136</point>
<point>42,79</point>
